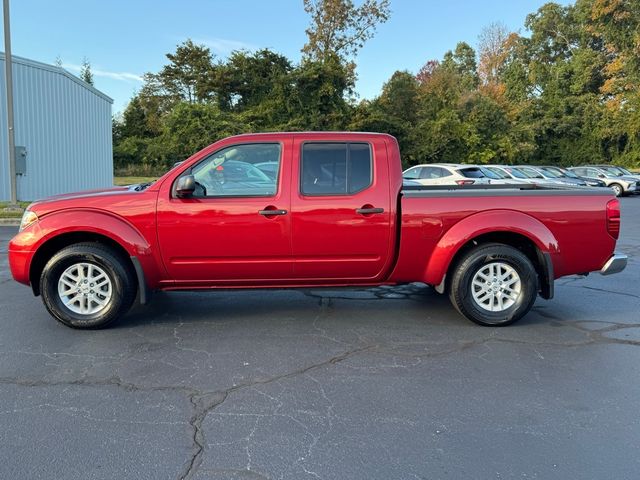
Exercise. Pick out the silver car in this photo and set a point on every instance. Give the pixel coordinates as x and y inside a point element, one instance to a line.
<point>511,173</point>
<point>620,184</point>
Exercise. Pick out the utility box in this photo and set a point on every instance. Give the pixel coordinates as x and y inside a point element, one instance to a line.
<point>21,160</point>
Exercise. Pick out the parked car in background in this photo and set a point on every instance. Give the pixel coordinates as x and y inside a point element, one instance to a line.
<point>536,172</point>
<point>620,185</point>
<point>591,182</point>
<point>446,174</point>
<point>553,175</point>
<point>499,177</point>
<point>533,174</point>
<point>511,173</point>
<point>619,171</point>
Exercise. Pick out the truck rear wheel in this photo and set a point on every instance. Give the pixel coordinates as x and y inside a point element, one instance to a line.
<point>87,285</point>
<point>494,285</point>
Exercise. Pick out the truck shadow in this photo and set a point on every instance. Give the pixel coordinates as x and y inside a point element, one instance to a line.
<point>414,303</point>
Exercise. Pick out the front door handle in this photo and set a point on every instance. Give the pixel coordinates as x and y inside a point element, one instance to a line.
<point>267,212</point>
<point>366,210</point>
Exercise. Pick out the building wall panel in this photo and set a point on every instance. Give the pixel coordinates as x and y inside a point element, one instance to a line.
<point>65,126</point>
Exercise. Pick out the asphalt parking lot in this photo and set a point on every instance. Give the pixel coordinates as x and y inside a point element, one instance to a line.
<point>349,384</point>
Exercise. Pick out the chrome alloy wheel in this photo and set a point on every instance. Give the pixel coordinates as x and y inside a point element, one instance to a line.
<point>496,287</point>
<point>617,189</point>
<point>85,288</point>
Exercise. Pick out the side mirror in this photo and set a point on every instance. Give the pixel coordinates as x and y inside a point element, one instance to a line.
<point>601,175</point>
<point>186,186</point>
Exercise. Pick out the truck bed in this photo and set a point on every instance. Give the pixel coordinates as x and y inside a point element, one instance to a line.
<point>571,219</point>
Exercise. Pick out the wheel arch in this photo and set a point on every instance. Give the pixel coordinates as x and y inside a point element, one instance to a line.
<point>507,227</point>
<point>58,242</point>
<point>87,226</point>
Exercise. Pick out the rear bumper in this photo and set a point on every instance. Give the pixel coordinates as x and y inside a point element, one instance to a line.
<point>616,263</point>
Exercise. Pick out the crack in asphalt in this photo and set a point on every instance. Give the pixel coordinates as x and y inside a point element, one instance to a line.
<point>205,403</point>
<point>88,382</point>
<point>610,291</point>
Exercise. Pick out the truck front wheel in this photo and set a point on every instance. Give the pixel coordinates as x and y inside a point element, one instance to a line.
<point>87,285</point>
<point>493,285</point>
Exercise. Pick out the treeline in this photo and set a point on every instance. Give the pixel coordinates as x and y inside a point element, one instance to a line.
<point>566,92</point>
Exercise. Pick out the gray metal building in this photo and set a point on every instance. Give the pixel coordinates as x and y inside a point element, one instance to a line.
<point>63,125</point>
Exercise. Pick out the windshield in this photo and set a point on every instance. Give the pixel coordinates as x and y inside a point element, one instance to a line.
<point>529,172</point>
<point>515,173</point>
<point>619,171</point>
<point>569,173</point>
<point>494,173</point>
<point>497,172</point>
<point>612,171</point>
<point>550,172</point>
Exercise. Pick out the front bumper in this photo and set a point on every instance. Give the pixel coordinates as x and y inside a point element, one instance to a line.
<point>21,250</point>
<point>616,263</point>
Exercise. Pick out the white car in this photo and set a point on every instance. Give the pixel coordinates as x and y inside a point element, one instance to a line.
<point>446,174</point>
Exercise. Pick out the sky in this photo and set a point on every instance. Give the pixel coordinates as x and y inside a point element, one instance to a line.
<point>125,39</point>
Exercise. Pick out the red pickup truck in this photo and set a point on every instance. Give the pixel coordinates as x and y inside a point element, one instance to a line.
<point>309,210</point>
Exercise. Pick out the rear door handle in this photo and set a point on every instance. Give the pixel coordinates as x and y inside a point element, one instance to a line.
<point>369,211</point>
<point>268,212</point>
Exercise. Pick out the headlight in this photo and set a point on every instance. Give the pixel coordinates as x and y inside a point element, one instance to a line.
<point>28,217</point>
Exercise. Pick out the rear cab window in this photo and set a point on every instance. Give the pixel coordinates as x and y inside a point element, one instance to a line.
<point>472,172</point>
<point>335,168</point>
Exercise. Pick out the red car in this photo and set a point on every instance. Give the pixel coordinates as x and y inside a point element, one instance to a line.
<point>335,214</point>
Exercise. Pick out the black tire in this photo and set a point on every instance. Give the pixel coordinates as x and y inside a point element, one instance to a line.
<point>461,287</point>
<point>618,191</point>
<point>119,272</point>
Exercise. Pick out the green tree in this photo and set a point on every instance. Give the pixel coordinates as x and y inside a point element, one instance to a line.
<point>248,79</point>
<point>186,78</point>
<point>317,100</point>
<point>462,61</point>
<point>189,128</point>
<point>339,28</point>
<point>85,71</point>
<point>615,24</point>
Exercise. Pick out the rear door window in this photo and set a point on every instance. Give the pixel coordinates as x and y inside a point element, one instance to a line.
<point>443,172</point>
<point>335,168</point>
<point>430,173</point>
